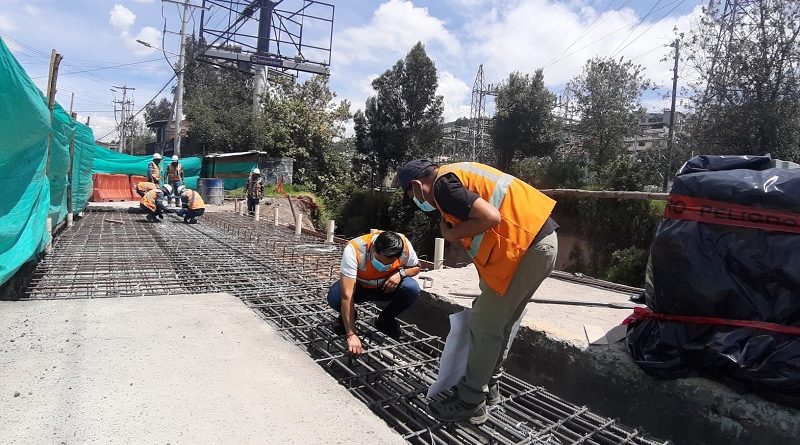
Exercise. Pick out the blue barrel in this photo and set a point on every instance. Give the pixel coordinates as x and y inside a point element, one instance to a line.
<point>212,190</point>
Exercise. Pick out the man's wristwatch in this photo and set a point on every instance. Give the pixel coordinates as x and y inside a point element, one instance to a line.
<point>402,272</point>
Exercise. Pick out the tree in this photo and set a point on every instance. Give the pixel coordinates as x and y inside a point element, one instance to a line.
<point>137,136</point>
<point>403,119</point>
<point>747,96</point>
<point>158,111</point>
<point>302,121</point>
<point>608,97</point>
<point>524,122</point>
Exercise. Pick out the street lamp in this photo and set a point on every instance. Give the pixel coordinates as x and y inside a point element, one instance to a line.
<point>178,102</point>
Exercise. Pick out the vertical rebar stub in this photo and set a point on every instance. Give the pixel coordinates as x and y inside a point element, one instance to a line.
<point>298,224</point>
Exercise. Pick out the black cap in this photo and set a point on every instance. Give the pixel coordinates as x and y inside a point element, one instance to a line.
<point>411,171</point>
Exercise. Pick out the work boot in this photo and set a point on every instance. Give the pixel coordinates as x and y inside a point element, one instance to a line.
<point>389,326</point>
<point>453,409</point>
<point>193,221</point>
<point>493,396</point>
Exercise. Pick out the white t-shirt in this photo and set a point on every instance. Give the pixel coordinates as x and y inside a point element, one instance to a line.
<point>350,263</point>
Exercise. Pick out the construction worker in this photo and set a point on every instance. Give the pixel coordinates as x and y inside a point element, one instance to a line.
<point>505,226</point>
<point>193,205</point>
<point>175,176</point>
<point>375,267</point>
<point>255,186</point>
<point>144,187</point>
<point>153,204</point>
<point>153,172</point>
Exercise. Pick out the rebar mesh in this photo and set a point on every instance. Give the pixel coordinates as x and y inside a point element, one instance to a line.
<point>284,277</point>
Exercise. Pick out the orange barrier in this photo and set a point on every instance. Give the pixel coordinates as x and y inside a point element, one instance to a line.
<point>109,188</point>
<point>135,179</point>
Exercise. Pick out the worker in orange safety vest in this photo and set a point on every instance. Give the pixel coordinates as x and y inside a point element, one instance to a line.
<point>144,187</point>
<point>193,205</point>
<point>504,224</point>
<point>152,203</point>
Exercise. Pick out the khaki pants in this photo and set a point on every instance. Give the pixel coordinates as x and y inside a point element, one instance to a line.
<point>493,317</point>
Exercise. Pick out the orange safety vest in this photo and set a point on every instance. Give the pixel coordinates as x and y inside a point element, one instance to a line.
<point>174,172</point>
<point>149,199</point>
<point>194,200</point>
<point>523,212</point>
<point>367,275</point>
<point>145,186</point>
<point>156,172</point>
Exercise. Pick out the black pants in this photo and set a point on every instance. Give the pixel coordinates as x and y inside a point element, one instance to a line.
<point>152,214</point>
<point>252,203</point>
<point>188,214</point>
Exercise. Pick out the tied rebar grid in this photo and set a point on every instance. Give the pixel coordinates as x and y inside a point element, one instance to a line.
<point>285,277</point>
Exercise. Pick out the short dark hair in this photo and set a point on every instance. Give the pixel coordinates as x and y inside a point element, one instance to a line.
<point>388,244</point>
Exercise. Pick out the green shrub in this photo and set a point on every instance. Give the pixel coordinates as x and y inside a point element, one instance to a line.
<point>628,266</point>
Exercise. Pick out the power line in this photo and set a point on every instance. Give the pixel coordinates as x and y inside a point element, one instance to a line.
<point>648,28</point>
<point>103,68</point>
<point>633,30</point>
<point>588,28</point>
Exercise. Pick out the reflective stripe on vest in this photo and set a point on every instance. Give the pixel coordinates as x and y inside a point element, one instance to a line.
<point>367,275</point>
<point>523,210</point>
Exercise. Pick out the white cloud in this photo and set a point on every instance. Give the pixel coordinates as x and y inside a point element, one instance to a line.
<point>103,125</point>
<point>457,96</point>
<point>147,34</point>
<point>6,24</point>
<point>394,28</point>
<point>507,41</point>
<point>121,18</point>
<point>143,1</point>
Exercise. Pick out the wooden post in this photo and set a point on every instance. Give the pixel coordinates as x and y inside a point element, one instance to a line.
<point>298,224</point>
<point>438,253</point>
<point>331,228</point>
<point>291,206</point>
<point>55,61</point>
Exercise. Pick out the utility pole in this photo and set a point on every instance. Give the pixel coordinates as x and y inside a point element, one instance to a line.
<point>262,47</point>
<point>125,105</point>
<point>670,137</point>
<point>179,92</point>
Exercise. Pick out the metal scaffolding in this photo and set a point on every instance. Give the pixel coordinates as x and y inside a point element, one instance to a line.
<point>284,278</point>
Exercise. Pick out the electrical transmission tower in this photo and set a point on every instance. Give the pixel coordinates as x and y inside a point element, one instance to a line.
<point>271,39</point>
<point>478,120</point>
<point>126,111</point>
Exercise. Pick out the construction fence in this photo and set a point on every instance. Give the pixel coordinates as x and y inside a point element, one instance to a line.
<point>39,150</point>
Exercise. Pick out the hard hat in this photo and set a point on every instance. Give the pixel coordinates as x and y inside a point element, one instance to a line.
<point>167,189</point>
<point>181,188</point>
<point>156,156</point>
<point>174,157</point>
<point>256,171</point>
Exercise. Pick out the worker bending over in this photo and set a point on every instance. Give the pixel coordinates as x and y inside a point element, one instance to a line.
<point>175,177</point>
<point>505,226</point>
<point>152,203</point>
<point>144,187</point>
<point>255,186</point>
<point>193,205</point>
<point>375,267</point>
<point>153,172</point>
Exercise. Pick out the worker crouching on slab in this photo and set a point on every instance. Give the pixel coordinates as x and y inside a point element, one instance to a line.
<point>505,226</point>
<point>153,204</point>
<point>175,177</point>
<point>375,267</point>
<point>144,187</point>
<point>255,188</point>
<point>193,205</point>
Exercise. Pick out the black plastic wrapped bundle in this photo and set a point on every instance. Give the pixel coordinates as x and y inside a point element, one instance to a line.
<point>728,249</point>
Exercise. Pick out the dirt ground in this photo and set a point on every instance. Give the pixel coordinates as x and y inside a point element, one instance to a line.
<point>268,206</point>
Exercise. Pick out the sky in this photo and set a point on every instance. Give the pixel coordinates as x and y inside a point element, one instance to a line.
<point>97,39</point>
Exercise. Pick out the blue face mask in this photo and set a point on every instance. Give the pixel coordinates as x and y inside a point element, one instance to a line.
<point>380,267</point>
<point>425,206</point>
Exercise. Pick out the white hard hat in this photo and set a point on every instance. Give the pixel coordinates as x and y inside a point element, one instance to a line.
<point>256,171</point>
<point>167,189</point>
<point>181,188</point>
<point>156,156</point>
<point>174,157</point>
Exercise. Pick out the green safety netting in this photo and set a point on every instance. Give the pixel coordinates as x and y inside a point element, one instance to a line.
<point>234,174</point>
<point>109,161</point>
<point>34,184</point>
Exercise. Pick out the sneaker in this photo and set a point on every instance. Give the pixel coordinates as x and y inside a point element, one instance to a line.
<point>193,221</point>
<point>453,409</point>
<point>390,327</point>
<point>493,396</point>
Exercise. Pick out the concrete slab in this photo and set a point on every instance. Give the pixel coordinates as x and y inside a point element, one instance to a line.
<point>563,322</point>
<point>170,370</point>
<point>552,351</point>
